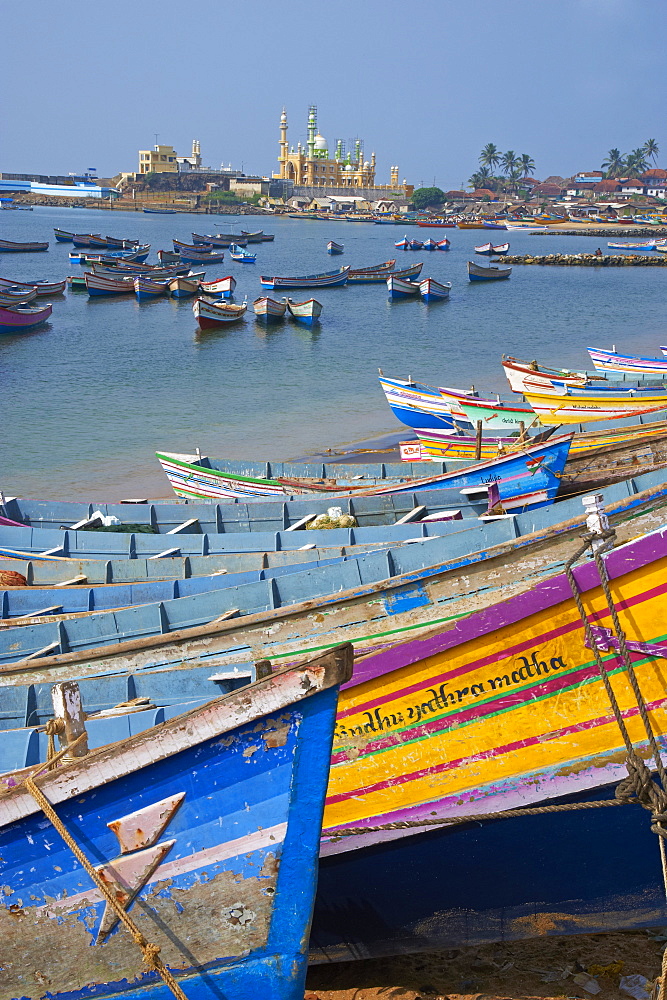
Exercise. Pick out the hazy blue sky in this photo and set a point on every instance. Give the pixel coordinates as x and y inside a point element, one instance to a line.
<point>424,83</point>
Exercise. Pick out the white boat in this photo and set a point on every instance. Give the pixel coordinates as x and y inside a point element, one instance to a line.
<point>399,288</point>
<point>222,288</point>
<point>432,290</point>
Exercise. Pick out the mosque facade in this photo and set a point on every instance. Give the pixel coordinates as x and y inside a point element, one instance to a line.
<point>311,165</point>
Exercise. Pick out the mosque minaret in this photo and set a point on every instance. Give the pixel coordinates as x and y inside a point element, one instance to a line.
<point>311,165</point>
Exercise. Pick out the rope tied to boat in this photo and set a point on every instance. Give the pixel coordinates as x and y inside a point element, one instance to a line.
<point>150,951</point>
<point>639,786</point>
<point>53,728</point>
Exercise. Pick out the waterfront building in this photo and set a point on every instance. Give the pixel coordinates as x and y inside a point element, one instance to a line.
<point>310,164</point>
<point>159,160</point>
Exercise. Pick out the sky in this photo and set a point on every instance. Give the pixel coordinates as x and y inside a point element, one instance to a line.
<point>426,84</point>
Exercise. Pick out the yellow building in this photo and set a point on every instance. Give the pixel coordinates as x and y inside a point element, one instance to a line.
<point>159,160</point>
<point>310,165</point>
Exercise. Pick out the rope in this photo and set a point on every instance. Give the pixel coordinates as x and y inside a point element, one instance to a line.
<point>639,786</point>
<point>149,950</point>
<point>409,824</point>
<point>52,728</point>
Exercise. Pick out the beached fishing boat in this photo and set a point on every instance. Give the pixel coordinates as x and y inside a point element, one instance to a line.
<point>159,211</point>
<point>191,805</point>
<point>494,224</point>
<point>575,404</point>
<point>489,249</point>
<point>437,702</point>
<point>62,236</point>
<point>98,284</point>
<point>22,317</point>
<point>530,469</point>
<point>182,287</point>
<point>432,290</point>
<point>329,279</point>
<point>606,361</point>
<point>149,288</point>
<point>435,224</point>
<point>477,273</point>
<point>210,315</point>
<point>41,286</point>
<point>221,288</point>
<point>269,309</point>
<point>334,248</point>
<point>418,405</point>
<point>532,375</point>
<point>380,276</point>
<point>307,312</point>
<point>443,245</point>
<point>403,244</point>
<point>401,288</point>
<point>6,246</point>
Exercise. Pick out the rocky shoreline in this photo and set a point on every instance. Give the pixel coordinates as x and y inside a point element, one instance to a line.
<point>585,260</point>
<point>605,232</point>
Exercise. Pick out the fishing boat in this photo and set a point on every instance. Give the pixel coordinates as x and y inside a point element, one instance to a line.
<point>131,271</point>
<point>436,702</point>
<point>159,211</point>
<point>575,404</point>
<point>473,224</point>
<point>416,404</point>
<point>182,287</point>
<point>8,247</point>
<point>494,224</point>
<point>429,244</point>
<point>403,244</point>
<point>387,265</point>
<point>489,249</point>
<point>17,296</point>
<point>443,245</point>
<point>148,288</point>
<point>190,805</point>
<point>223,240</point>
<point>401,288</point>
<point>62,236</point>
<point>512,474</point>
<point>307,312</point>
<point>334,248</point>
<point>168,256</point>
<point>629,245</point>
<point>93,241</point>
<point>380,276</point>
<point>477,273</point>
<point>237,253</point>
<point>41,286</point>
<point>210,315</point>
<point>611,361</point>
<point>522,374</point>
<point>98,284</point>
<point>329,279</point>
<point>22,317</point>
<point>415,245</point>
<point>435,224</point>
<point>118,243</point>
<point>201,257</point>
<point>269,309</point>
<point>221,288</point>
<point>256,237</point>
<point>432,290</point>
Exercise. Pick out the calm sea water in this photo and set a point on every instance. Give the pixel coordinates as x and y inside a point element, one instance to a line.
<point>87,399</point>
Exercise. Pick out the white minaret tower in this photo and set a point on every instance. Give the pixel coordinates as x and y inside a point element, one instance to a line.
<point>282,156</point>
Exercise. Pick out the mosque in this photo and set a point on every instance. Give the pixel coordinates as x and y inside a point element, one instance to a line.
<point>310,165</point>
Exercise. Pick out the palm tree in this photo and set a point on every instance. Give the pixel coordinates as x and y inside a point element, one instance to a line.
<point>651,149</point>
<point>636,163</point>
<point>527,164</point>
<point>614,165</point>
<point>508,161</point>
<point>490,156</point>
<point>479,178</point>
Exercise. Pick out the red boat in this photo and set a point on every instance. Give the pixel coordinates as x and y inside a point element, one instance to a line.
<point>210,315</point>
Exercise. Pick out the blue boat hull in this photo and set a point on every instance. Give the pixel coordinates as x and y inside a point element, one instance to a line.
<point>229,903</point>
<point>586,871</point>
<point>491,277</point>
